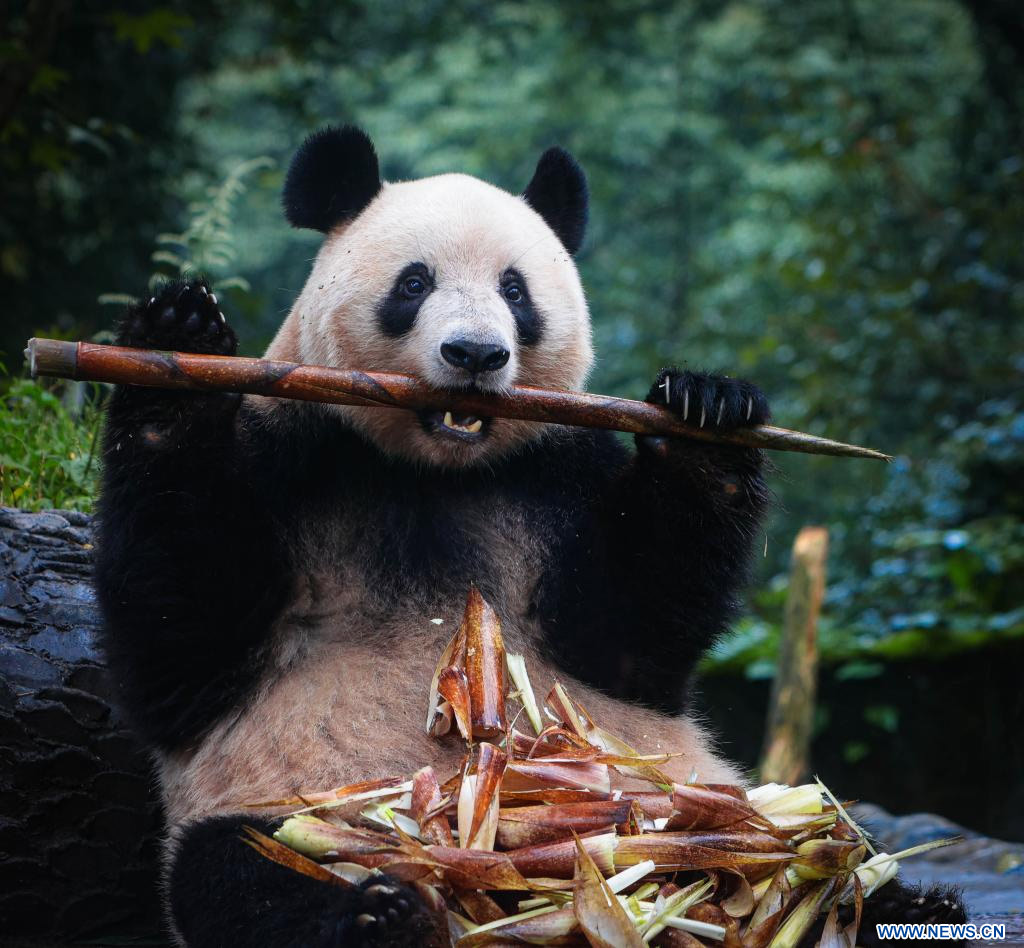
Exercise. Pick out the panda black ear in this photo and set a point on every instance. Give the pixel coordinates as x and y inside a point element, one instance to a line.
<point>558,192</point>
<point>332,177</point>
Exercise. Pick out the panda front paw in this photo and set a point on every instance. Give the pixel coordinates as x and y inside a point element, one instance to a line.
<point>900,902</point>
<point>896,902</point>
<point>707,400</point>
<point>387,912</point>
<point>183,316</point>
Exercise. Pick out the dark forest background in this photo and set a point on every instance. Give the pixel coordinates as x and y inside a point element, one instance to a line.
<point>825,197</point>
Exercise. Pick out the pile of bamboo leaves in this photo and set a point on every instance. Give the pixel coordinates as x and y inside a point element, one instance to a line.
<point>530,844</point>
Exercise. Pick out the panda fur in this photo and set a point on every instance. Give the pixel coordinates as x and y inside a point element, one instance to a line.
<point>269,570</point>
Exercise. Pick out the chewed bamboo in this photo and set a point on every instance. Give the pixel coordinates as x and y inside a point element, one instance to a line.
<point>86,361</point>
<point>599,868</point>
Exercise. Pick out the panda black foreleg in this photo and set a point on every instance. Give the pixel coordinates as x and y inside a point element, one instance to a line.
<point>224,893</point>
<point>188,569</point>
<point>898,902</point>
<point>710,498</point>
<point>652,575</point>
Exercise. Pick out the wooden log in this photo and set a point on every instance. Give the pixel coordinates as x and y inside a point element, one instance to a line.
<point>786,754</point>
<point>86,361</point>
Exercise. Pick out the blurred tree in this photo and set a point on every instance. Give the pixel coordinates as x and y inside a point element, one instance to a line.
<point>825,197</point>
<point>88,146</point>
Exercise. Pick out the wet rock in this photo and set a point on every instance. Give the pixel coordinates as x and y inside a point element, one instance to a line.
<point>29,668</point>
<point>988,870</point>
<point>78,813</point>
<point>75,645</point>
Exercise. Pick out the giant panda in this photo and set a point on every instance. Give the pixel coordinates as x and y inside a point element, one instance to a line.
<point>268,571</point>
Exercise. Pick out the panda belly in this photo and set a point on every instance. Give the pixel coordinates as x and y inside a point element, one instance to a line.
<point>341,715</point>
<point>347,702</point>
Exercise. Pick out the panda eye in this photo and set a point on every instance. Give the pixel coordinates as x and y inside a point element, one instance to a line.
<point>413,286</point>
<point>514,289</point>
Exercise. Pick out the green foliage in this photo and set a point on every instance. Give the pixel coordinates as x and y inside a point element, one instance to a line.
<point>946,565</point>
<point>88,142</point>
<point>162,25</point>
<point>206,246</point>
<point>48,452</point>
<point>826,198</point>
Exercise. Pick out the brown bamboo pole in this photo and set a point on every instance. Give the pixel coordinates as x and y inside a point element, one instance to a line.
<point>87,361</point>
<point>791,709</point>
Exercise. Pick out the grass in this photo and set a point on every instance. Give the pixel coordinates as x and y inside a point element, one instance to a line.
<point>48,450</point>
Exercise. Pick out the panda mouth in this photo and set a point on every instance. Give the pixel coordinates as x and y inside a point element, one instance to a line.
<point>447,424</point>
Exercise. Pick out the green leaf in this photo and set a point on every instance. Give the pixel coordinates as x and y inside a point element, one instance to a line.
<point>855,751</point>
<point>885,716</point>
<point>161,25</point>
<point>116,299</point>
<point>165,256</point>
<point>859,670</point>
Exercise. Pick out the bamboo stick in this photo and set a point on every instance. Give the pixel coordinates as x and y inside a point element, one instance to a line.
<point>86,361</point>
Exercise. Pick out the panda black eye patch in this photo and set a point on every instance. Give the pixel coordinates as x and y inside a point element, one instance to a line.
<point>529,324</point>
<point>397,311</point>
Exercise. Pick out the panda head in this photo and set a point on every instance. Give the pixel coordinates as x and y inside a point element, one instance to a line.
<point>447,278</point>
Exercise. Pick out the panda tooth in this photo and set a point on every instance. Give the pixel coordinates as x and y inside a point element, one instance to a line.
<point>449,421</point>
<point>476,426</point>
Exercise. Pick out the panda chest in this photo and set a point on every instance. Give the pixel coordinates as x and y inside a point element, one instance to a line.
<point>345,690</point>
<point>391,570</point>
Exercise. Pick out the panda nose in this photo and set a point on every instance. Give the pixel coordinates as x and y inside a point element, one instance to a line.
<point>474,356</point>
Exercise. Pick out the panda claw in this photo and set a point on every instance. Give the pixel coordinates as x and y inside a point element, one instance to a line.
<point>182,317</point>
<point>213,298</point>
<point>390,913</point>
<point>725,403</point>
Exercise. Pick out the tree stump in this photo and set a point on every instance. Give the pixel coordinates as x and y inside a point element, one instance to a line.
<point>79,815</point>
<point>791,709</point>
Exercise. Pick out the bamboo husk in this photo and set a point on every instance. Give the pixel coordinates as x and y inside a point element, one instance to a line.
<point>538,818</point>
<point>92,362</point>
<point>600,915</point>
<point>530,825</point>
<point>485,667</point>
<point>425,803</point>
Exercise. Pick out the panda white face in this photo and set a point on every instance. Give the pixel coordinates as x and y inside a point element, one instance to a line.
<point>455,281</point>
